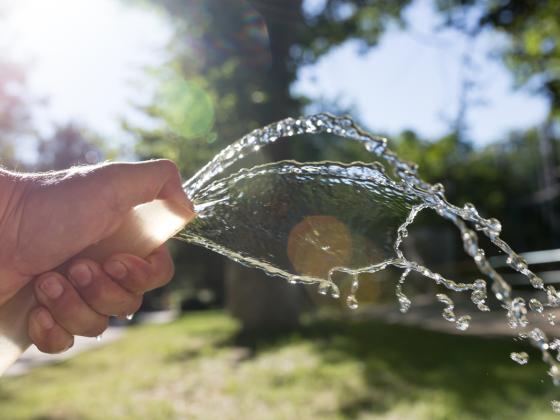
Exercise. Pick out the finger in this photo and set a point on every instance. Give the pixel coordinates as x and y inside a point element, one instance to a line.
<point>57,294</point>
<point>142,182</point>
<point>46,334</point>
<point>99,291</point>
<point>138,275</point>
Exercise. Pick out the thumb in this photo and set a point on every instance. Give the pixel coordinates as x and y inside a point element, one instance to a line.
<point>141,182</point>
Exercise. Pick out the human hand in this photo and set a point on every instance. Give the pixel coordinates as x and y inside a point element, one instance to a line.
<point>80,302</point>
<point>45,219</point>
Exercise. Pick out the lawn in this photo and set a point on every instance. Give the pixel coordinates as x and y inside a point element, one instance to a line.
<point>199,367</point>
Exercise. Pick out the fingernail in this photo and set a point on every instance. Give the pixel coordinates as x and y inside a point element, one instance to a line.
<point>81,274</point>
<point>116,269</point>
<point>45,320</point>
<point>51,287</point>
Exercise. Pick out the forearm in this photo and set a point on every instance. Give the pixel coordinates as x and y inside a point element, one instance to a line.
<point>13,326</point>
<point>8,181</point>
<point>14,306</point>
<point>12,190</point>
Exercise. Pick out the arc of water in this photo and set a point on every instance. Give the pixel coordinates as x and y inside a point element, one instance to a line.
<point>431,196</point>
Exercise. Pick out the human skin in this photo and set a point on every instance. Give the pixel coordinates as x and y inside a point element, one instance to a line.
<point>79,301</point>
<point>46,219</point>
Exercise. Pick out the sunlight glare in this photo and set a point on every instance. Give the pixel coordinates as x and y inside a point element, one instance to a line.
<point>87,58</point>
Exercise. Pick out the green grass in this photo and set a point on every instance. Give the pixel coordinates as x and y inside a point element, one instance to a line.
<point>198,367</point>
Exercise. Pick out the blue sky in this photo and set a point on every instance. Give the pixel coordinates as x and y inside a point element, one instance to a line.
<point>411,80</point>
<point>86,58</point>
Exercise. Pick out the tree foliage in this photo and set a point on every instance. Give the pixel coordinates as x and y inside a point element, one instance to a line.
<point>69,145</point>
<point>14,110</point>
<point>532,30</point>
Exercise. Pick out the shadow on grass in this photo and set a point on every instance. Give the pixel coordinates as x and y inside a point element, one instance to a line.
<point>407,364</point>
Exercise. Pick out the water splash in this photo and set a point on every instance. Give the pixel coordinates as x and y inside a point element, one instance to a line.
<point>522,358</point>
<point>463,322</point>
<point>536,305</point>
<point>404,301</point>
<point>293,220</point>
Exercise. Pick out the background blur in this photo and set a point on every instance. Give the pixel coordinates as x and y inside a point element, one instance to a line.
<point>468,89</point>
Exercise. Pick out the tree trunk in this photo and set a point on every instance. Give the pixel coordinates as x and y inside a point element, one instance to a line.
<point>261,302</point>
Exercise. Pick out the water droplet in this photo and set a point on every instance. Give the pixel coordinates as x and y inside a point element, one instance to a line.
<point>536,281</point>
<point>483,307</point>
<point>470,243</point>
<point>539,337</point>
<point>516,262</point>
<point>478,296</point>
<point>448,314</point>
<point>403,232</point>
<point>554,373</point>
<point>352,302</point>
<point>536,306</point>
<point>463,322</point>
<point>554,344</point>
<point>470,208</point>
<point>443,298</point>
<point>495,225</point>
<point>551,319</point>
<point>335,291</point>
<point>479,284</point>
<point>376,146</point>
<point>324,288</point>
<point>129,317</point>
<point>517,313</point>
<point>522,357</point>
<point>552,296</point>
<point>438,188</point>
<point>98,338</point>
<point>355,285</point>
<point>404,303</point>
<point>501,289</point>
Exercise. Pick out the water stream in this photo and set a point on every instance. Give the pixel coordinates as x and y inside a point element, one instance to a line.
<point>310,222</point>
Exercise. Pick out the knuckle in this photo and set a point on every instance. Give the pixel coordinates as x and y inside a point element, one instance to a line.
<point>168,166</point>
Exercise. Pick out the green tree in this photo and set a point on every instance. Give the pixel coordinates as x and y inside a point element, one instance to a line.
<point>502,179</point>
<point>15,119</point>
<point>532,52</point>
<point>532,30</point>
<point>70,145</point>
